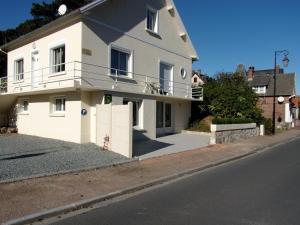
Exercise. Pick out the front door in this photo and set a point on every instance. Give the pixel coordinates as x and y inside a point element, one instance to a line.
<point>35,70</point>
<point>163,118</point>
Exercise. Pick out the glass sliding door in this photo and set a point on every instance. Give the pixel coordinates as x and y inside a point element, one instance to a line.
<point>168,115</point>
<point>159,114</point>
<point>163,118</point>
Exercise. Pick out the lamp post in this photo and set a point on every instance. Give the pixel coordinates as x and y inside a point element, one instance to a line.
<point>285,61</point>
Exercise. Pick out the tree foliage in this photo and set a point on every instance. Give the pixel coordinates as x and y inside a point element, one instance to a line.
<point>42,13</point>
<point>230,96</point>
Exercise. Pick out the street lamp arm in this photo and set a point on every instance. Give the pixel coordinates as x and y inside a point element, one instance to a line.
<point>3,51</point>
<point>284,52</point>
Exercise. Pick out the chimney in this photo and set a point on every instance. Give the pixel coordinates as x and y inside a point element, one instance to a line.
<point>250,73</point>
<point>278,70</point>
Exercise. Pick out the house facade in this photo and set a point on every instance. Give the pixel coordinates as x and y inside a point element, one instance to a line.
<point>134,53</point>
<point>262,83</point>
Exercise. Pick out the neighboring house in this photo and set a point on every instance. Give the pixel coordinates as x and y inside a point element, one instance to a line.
<point>198,79</point>
<point>262,83</point>
<point>135,54</point>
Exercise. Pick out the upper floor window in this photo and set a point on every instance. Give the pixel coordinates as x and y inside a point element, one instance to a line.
<point>120,62</point>
<point>152,20</point>
<point>58,59</point>
<point>260,89</point>
<point>19,69</point>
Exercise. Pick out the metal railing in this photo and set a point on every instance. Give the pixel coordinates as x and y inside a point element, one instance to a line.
<point>101,77</point>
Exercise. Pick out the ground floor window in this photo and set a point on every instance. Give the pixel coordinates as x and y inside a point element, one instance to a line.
<point>60,104</point>
<point>24,106</point>
<point>136,106</point>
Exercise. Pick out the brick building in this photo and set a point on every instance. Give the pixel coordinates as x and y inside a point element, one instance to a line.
<point>262,83</point>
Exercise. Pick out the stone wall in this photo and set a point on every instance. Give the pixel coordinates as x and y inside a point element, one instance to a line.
<point>232,132</point>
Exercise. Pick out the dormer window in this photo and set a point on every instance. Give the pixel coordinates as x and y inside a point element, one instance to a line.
<point>152,20</point>
<point>260,89</point>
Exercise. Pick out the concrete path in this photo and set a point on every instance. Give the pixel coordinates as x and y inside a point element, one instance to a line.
<point>170,144</point>
<point>40,195</point>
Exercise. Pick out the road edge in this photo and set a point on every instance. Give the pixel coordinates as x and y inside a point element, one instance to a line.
<point>86,203</point>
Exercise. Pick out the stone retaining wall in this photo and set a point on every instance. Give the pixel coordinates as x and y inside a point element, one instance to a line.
<point>226,133</point>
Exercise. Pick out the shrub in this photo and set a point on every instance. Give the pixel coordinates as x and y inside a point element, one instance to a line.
<point>201,125</point>
<point>232,120</point>
<point>268,123</point>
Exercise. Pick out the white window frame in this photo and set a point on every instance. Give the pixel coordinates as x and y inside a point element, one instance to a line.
<point>63,104</point>
<point>129,71</point>
<point>171,81</point>
<point>156,18</point>
<point>17,73</point>
<point>51,57</point>
<point>22,106</point>
<point>260,89</point>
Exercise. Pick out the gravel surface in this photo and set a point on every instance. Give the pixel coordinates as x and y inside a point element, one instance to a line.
<point>24,156</point>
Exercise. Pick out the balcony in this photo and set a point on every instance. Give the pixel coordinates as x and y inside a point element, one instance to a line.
<point>78,75</point>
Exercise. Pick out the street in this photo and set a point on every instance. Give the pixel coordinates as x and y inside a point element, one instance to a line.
<point>260,190</point>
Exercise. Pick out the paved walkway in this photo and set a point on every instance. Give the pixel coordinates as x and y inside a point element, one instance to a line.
<point>24,156</point>
<point>37,195</point>
<point>170,144</point>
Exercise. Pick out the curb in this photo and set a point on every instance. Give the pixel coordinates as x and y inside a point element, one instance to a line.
<point>14,180</point>
<point>86,203</point>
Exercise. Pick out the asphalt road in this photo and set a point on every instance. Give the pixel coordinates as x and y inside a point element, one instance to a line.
<point>261,190</point>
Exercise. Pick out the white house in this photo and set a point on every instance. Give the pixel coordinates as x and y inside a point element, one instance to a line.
<point>73,78</point>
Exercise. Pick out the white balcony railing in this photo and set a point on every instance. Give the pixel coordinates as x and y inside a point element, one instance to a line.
<point>99,77</point>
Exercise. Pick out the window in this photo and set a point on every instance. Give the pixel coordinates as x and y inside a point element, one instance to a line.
<point>166,78</point>
<point>25,105</point>
<point>19,70</point>
<point>195,80</point>
<point>260,89</point>
<point>60,105</point>
<point>152,20</point>
<point>58,59</point>
<point>120,62</point>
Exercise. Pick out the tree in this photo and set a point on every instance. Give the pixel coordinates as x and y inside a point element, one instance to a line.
<point>229,96</point>
<point>42,14</point>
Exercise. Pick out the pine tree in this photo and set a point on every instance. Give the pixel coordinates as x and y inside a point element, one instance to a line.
<point>42,14</point>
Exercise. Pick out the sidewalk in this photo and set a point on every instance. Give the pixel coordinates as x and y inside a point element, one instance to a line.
<point>38,195</point>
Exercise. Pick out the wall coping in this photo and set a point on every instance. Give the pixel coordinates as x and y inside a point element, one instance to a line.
<point>228,127</point>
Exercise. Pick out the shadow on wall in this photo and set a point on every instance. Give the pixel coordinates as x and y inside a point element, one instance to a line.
<point>117,18</point>
<point>143,145</point>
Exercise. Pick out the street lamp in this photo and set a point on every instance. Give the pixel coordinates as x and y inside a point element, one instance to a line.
<point>285,62</point>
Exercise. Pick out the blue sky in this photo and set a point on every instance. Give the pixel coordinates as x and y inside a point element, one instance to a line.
<point>225,33</point>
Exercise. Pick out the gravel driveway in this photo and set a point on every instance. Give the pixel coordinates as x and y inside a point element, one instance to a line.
<point>23,156</point>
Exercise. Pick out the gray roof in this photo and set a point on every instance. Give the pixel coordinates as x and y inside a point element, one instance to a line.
<point>261,80</point>
<point>285,84</point>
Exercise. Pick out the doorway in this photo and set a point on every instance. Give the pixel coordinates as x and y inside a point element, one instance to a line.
<point>35,69</point>
<point>164,118</point>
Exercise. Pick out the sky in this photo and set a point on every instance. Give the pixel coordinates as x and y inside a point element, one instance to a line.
<point>224,33</point>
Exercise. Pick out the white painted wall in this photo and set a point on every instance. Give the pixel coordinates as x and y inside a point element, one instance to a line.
<point>115,122</point>
<point>39,121</point>
<point>70,36</point>
<point>147,49</point>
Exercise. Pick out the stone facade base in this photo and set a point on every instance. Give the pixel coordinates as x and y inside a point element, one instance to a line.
<point>232,132</point>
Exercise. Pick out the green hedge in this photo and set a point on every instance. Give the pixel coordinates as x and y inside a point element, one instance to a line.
<point>232,121</point>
